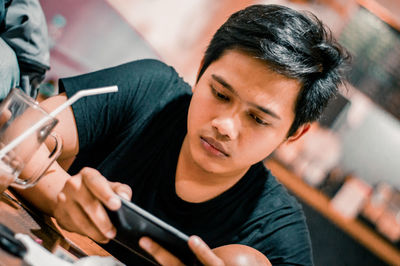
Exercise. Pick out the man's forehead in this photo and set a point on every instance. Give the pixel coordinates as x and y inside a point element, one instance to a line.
<point>237,70</point>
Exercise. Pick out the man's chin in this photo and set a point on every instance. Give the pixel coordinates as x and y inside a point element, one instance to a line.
<point>209,165</point>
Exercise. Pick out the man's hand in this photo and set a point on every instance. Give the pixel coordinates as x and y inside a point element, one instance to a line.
<point>233,255</point>
<point>80,204</point>
<point>203,253</point>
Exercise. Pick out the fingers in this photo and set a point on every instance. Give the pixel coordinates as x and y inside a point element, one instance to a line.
<point>82,202</point>
<point>71,217</point>
<point>80,205</point>
<point>160,254</point>
<point>203,253</point>
<point>100,187</point>
<point>122,190</point>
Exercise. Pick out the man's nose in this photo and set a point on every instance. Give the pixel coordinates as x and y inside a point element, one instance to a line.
<point>227,127</point>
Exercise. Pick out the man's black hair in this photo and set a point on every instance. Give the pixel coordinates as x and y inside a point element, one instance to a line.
<point>294,44</point>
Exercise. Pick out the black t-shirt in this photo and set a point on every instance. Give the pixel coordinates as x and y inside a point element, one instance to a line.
<point>134,136</point>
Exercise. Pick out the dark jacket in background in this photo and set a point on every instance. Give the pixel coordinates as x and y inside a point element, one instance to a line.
<point>23,28</point>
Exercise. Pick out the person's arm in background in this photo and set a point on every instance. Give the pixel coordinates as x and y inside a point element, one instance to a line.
<point>75,201</point>
<point>24,30</point>
<point>9,69</point>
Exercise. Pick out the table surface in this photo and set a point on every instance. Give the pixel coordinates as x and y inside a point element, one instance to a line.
<point>20,218</point>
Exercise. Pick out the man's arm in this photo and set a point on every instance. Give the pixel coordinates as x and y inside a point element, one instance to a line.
<point>77,202</point>
<point>55,177</point>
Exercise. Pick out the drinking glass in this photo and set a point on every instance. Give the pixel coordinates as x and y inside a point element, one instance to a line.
<point>18,113</point>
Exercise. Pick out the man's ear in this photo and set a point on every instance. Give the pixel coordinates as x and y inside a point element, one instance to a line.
<point>299,132</point>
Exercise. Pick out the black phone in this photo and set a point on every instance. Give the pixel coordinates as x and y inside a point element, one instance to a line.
<point>132,222</point>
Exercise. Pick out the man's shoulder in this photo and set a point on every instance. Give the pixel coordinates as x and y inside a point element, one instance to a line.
<point>155,76</point>
<point>145,88</point>
<point>150,64</point>
<point>150,67</point>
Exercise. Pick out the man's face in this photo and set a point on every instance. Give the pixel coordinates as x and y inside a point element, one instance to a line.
<point>240,112</point>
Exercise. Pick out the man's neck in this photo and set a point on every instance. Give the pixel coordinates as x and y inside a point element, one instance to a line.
<point>195,184</point>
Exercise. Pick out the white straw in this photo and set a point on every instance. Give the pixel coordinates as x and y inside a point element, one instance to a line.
<point>55,112</point>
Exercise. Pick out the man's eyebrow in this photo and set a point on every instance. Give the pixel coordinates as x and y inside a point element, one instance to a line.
<point>267,111</point>
<point>224,83</point>
<point>231,89</point>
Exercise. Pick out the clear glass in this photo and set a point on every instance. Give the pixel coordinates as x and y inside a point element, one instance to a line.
<point>19,112</point>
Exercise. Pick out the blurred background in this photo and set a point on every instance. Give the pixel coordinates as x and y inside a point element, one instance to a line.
<point>346,172</point>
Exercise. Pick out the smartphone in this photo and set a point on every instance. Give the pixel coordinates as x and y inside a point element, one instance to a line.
<point>133,222</point>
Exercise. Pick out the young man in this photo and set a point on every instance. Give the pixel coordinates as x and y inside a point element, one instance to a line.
<point>195,160</point>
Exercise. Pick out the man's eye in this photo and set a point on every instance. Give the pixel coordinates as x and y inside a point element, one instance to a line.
<point>219,95</point>
<point>258,120</point>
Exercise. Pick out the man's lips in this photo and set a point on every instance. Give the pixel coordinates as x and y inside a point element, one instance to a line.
<point>215,145</point>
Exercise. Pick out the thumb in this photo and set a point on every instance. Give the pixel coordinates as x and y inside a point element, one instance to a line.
<point>203,253</point>
<point>123,190</point>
